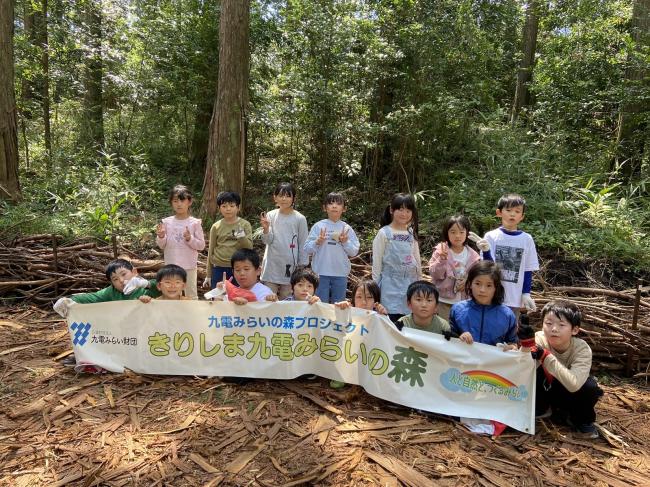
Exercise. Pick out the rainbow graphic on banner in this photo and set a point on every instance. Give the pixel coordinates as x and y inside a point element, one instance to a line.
<point>489,378</point>
<point>482,382</point>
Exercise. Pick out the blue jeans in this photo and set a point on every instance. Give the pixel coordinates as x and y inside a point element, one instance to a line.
<point>331,289</point>
<point>217,276</point>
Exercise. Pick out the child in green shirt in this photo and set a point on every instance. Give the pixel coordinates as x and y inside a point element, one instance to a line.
<point>422,300</point>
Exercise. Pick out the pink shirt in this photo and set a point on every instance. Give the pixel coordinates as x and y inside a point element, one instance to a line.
<point>177,250</point>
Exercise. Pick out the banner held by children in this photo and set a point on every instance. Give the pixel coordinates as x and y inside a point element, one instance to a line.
<point>288,339</point>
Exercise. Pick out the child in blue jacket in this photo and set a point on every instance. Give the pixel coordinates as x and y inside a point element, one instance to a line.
<point>483,318</point>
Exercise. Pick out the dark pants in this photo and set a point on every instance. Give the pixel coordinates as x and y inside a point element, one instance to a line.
<point>394,317</point>
<point>577,406</point>
<point>217,276</point>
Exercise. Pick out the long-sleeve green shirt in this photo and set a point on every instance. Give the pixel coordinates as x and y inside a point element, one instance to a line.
<point>111,294</point>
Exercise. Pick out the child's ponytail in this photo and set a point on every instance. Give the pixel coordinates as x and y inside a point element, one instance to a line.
<point>401,200</point>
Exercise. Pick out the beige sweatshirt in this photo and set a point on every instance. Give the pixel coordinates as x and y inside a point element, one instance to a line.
<point>571,367</point>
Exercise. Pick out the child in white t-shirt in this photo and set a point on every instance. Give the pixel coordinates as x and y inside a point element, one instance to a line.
<point>514,251</point>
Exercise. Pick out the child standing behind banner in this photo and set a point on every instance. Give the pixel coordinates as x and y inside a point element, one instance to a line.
<point>396,254</point>
<point>181,236</point>
<point>332,243</point>
<point>284,233</point>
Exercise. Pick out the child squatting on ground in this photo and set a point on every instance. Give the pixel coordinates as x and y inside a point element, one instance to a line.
<point>125,285</point>
<point>246,271</point>
<point>171,281</point>
<point>422,299</point>
<point>181,236</point>
<point>304,283</point>
<point>565,390</point>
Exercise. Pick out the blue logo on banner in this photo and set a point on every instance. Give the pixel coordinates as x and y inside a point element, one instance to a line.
<point>81,332</point>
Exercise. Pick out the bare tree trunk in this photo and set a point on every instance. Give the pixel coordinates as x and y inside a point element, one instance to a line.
<point>45,83</point>
<point>227,147</point>
<point>9,184</point>
<point>93,135</point>
<point>528,49</point>
<point>632,135</point>
<point>201,134</point>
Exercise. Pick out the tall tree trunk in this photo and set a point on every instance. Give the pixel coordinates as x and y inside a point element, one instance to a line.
<point>93,135</point>
<point>201,134</point>
<point>45,82</point>
<point>632,135</point>
<point>528,49</point>
<point>227,147</point>
<point>27,85</point>
<point>9,185</point>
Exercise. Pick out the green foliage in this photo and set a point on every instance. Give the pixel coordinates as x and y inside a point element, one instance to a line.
<point>370,97</point>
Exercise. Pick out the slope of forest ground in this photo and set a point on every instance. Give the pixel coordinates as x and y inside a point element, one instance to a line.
<point>58,428</point>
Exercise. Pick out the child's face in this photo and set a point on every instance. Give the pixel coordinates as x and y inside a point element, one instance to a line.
<point>334,211</point>
<point>181,207</point>
<point>423,307</point>
<point>229,210</point>
<point>558,332</point>
<point>457,235</point>
<point>283,201</point>
<point>511,217</point>
<point>246,273</point>
<point>363,299</point>
<point>483,289</point>
<point>121,276</point>
<point>302,290</point>
<point>171,287</point>
<point>402,216</point>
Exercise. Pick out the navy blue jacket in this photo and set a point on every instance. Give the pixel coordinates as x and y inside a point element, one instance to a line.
<point>489,324</point>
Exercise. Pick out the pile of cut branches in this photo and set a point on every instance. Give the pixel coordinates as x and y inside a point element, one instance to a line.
<point>40,269</point>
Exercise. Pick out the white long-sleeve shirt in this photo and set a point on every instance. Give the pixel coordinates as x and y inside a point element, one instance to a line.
<point>284,246</point>
<point>332,258</point>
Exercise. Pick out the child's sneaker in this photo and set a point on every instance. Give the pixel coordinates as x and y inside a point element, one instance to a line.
<point>544,414</point>
<point>587,431</point>
<point>337,384</point>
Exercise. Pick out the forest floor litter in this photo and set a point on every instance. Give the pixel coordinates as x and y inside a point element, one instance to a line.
<point>60,428</point>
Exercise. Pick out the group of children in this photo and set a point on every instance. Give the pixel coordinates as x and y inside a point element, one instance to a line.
<point>475,297</point>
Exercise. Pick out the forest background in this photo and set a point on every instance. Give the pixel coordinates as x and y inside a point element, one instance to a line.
<point>456,101</point>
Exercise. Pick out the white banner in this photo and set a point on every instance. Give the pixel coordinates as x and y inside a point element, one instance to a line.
<point>288,339</point>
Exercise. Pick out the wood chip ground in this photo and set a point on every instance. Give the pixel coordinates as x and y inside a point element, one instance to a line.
<point>58,428</point>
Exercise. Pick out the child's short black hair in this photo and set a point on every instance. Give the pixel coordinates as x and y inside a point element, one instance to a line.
<point>228,197</point>
<point>563,309</point>
<point>425,288</point>
<point>171,270</point>
<point>116,265</point>
<point>370,286</point>
<point>181,192</point>
<point>461,220</point>
<point>486,268</point>
<point>245,254</point>
<point>285,189</point>
<point>334,198</point>
<point>302,272</point>
<point>511,200</point>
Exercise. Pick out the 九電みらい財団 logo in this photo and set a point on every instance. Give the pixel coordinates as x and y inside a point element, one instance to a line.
<point>81,332</point>
<point>482,381</point>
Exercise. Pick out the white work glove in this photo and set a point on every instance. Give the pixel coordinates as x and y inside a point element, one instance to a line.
<point>134,283</point>
<point>206,282</point>
<point>481,243</point>
<point>528,302</point>
<point>214,293</point>
<point>62,306</point>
